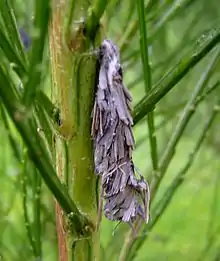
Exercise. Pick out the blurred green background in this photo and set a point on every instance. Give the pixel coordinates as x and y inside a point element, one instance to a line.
<point>190,227</point>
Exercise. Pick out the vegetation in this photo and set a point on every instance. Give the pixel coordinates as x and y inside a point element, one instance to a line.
<point>49,192</point>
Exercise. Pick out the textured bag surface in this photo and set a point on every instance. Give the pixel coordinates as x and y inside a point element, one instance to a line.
<point>125,196</point>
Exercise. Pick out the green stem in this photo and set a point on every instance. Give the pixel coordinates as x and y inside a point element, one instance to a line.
<point>212,232</point>
<point>23,123</point>
<point>37,210</point>
<point>25,205</point>
<point>167,15</point>
<point>147,80</point>
<point>168,195</point>
<point>171,111</point>
<point>162,205</point>
<point>35,73</point>
<point>151,4</point>
<point>8,50</point>
<point>12,141</point>
<point>94,16</point>
<point>164,63</point>
<point>175,75</point>
<point>182,123</point>
<point>10,24</point>
<point>73,70</point>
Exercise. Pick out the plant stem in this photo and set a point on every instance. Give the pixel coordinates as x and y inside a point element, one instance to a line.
<point>175,75</point>
<point>176,109</point>
<point>8,16</point>
<point>37,210</point>
<point>184,119</point>
<point>182,123</point>
<point>73,83</point>
<point>28,132</point>
<point>25,205</point>
<point>147,81</point>
<point>41,23</point>
<point>166,198</point>
<point>94,16</point>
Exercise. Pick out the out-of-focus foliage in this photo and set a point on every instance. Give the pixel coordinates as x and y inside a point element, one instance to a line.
<point>190,228</point>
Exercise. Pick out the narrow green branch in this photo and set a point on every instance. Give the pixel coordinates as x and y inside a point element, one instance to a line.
<point>25,205</point>
<point>94,16</point>
<point>168,195</point>
<point>12,141</point>
<point>42,99</point>
<point>10,24</point>
<point>73,73</point>
<point>168,13</point>
<point>44,125</point>
<point>170,149</point>
<point>23,123</point>
<point>167,16</point>
<point>35,70</point>
<point>130,14</point>
<point>175,75</point>
<point>166,198</point>
<point>37,211</point>
<point>10,53</point>
<point>212,234</point>
<point>182,123</point>
<point>147,80</point>
<point>209,91</point>
<point>151,4</point>
<point>213,208</point>
<point>172,111</point>
<point>163,64</point>
<point>131,30</point>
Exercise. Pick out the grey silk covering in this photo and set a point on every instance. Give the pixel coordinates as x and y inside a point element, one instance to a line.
<point>125,196</point>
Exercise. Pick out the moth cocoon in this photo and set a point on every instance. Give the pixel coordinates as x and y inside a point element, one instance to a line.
<point>126,197</point>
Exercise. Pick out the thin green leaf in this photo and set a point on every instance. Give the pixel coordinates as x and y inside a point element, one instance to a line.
<point>44,125</point>
<point>12,30</point>
<point>175,75</point>
<point>11,54</point>
<point>147,80</point>
<point>24,182</point>
<point>41,21</point>
<point>168,13</point>
<point>182,123</point>
<point>162,205</point>
<point>24,124</point>
<point>163,64</point>
<point>151,4</point>
<point>94,16</point>
<point>172,111</point>
<point>12,140</point>
<point>37,212</point>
